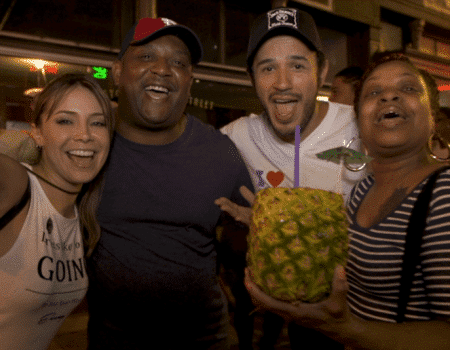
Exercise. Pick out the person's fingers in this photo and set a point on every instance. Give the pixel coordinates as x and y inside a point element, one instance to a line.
<point>256,294</point>
<point>241,214</point>
<point>247,194</point>
<point>226,205</point>
<point>338,299</point>
<point>244,215</point>
<point>264,301</point>
<point>340,284</point>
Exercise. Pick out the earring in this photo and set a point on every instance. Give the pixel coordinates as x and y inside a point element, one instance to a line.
<point>347,164</point>
<point>38,147</point>
<point>435,136</point>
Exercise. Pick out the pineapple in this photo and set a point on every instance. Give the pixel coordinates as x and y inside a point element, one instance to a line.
<point>297,237</point>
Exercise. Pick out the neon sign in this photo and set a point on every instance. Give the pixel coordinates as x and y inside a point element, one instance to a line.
<point>100,73</point>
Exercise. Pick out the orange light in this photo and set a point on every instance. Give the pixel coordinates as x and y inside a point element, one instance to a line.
<point>51,69</point>
<point>32,92</point>
<point>41,65</point>
<point>444,88</point>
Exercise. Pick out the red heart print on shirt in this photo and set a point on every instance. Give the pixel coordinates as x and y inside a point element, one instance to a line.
<point>275,178</point>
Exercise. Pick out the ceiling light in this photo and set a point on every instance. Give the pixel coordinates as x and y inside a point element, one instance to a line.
<point>39,64</point>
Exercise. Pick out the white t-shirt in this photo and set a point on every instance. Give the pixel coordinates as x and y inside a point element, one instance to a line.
<point>42,277</point>
<point>270,160</point>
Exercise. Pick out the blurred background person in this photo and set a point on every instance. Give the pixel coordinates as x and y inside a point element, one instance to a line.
<point>343,86</point>
<point>443,123</point>
<point>439,142</point>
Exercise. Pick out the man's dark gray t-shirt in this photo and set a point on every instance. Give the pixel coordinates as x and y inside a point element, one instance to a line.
<point>153,274</point>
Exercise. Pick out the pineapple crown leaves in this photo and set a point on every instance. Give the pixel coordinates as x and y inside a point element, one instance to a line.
<point>349,155</point>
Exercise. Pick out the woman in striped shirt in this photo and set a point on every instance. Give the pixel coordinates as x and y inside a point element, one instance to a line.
<point>395,110</point>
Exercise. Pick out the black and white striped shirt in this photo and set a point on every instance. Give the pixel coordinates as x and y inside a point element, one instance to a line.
<point>375,258</point>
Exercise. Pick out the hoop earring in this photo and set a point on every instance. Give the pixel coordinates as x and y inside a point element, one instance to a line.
<point>347,165</point>
<point>435,136</point>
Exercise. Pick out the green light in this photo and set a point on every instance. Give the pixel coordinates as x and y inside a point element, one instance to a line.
<point>100,73</point>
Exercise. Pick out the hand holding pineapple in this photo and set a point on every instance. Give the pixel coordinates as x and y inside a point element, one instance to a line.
<point>324,315</point>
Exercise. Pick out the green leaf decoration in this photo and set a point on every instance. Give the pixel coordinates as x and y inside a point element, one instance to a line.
<point>349,155</point>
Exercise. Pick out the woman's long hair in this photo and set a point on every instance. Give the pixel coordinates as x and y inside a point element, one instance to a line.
<point>89,198</point>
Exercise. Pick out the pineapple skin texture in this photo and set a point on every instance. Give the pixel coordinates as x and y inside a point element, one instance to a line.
<point>297,238</point>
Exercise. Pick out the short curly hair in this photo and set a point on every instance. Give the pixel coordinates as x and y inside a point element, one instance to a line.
<point>350,75</point>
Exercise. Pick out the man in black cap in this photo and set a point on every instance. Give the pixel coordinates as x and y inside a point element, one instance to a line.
<point>287,67</point>
<point>153,277</point>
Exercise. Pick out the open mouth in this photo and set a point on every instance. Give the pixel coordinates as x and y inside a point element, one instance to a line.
<point>81,158</point>
<point>157,91</point>
<point>284,108</point>
<point>390,116</point>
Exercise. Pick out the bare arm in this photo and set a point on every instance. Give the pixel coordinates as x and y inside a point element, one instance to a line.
<point>429,335</point>
<point>333,318</point>
<point>13,183</point>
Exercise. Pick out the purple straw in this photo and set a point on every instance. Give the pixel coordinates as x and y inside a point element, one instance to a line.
<point>297,157</point>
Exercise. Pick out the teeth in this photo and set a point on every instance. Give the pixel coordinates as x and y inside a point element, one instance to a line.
<point>157,89</point>
<point>81,153</point>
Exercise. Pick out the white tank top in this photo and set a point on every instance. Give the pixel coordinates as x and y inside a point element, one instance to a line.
<point>42,277</point>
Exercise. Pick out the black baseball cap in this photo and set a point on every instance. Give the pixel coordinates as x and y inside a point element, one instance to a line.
<point>147,29</point>
<point>283,21</point>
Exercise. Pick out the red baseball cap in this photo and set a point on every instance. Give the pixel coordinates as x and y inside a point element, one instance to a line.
<point>147,29</point>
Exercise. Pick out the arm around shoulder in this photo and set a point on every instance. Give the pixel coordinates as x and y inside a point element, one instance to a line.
<point>18,145</point>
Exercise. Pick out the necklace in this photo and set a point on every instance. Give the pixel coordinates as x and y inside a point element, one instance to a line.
<point>51,184</point>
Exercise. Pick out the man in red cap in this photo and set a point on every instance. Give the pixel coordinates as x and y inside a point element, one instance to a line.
<point>153,275</point>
